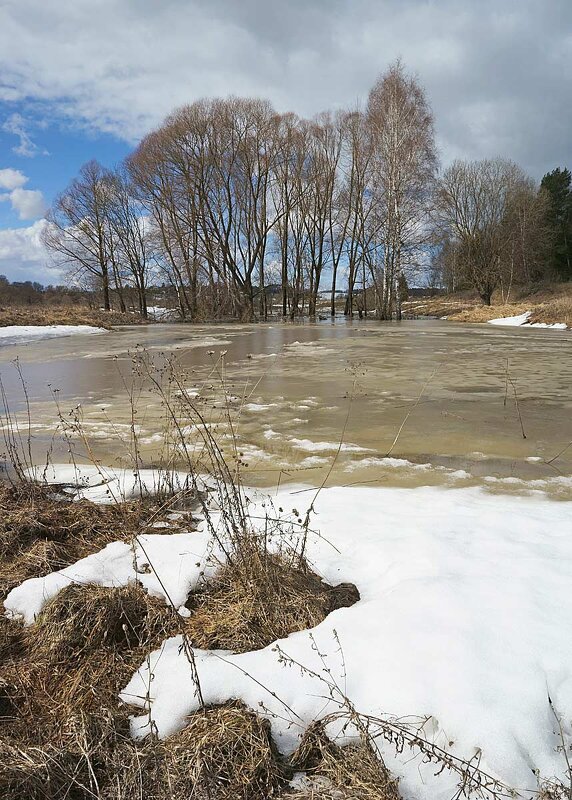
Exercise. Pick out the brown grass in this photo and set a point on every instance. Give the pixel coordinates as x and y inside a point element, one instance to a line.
<point>243,612</point>
<point>548,303</point>
<point>64,735</point>
<point>225,752</point>
<point>486,313</point>
<point>40,534</point>
<point>65,315</point>
<point>355,772</point>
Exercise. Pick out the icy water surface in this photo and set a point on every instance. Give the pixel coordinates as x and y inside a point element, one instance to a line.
<point>298,389</point>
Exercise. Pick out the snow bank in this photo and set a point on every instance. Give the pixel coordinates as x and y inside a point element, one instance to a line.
<point>20,333</point>
<point>104,484</point>
<point>465,615</point>
<point>522,319</point>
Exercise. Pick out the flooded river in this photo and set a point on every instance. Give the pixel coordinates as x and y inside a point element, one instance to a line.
<point>411,403</point>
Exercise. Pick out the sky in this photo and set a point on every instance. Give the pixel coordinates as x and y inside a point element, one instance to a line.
<point>82,79</point>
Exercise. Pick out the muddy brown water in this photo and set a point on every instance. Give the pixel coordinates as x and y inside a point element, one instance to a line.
<point>301,388</point>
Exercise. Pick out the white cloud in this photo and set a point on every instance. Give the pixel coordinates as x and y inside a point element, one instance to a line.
<point>124,68</point>
<point>28,203</point>
<point>17,126</point>
<point>12,179</point>
<point>23,256</point>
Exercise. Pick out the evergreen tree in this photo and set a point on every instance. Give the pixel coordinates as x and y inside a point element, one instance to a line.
<point>557,185</point>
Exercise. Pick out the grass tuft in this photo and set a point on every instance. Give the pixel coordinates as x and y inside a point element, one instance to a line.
<point>243,610</point>
<point>354,772</point>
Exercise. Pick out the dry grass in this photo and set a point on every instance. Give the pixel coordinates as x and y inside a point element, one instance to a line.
<point>40,534</point>
<point>65,315</point>
<point>354,772</point>
<point>64,735</point>
<point>548,303</point>
<point>83,622</point>
<point>62,721</point>
<point>226,753</point>
<point>558,309</point>
<point>485,313</point>
<point>440,306</point>
<point>243,611</point>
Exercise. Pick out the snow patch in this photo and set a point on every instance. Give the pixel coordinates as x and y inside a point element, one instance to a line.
<point>177,560</point>
<point>523,319</point>
<point>22,333</point>
<point>105,484</point>
<point>520,319</point>
<point>308,444</point>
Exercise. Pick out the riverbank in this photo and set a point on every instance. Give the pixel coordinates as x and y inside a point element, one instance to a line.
<point>252,688</point>
<point>549,304</point>
<point>66,315</point>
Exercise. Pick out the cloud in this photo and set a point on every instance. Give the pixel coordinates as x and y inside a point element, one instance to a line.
<point>17,126</point>
<point>23,256</point>
<point>497,74</point>
<point>12,179</point>
<point>27,203</point>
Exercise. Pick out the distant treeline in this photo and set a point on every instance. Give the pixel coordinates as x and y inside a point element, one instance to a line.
<point>32,293</point>
<point>228,198</point>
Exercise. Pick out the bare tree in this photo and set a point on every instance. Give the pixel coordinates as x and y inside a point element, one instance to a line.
<point>481,205</point>
<point>130,231</point>
<point>403,169</point>
<point>77,230</point>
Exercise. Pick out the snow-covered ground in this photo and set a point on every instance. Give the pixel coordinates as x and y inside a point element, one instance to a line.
<point>160,313</point>
<point>16,334</point>
<point>105,485</point>
<point>465,616</point>
<point>522,319</point>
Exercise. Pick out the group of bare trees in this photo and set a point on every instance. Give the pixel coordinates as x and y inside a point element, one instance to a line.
<point>493,226</point>
<point>234,206</point>
<point>228,198</point>
<point>98,230</point>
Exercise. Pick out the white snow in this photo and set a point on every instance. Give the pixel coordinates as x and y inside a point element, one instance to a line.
<point>105,484</point>
<point>177,561</point>
<point>465,615</point>
<point>520,319</point>
<point>308,444</point>
<point>23,333</point>
<point>523,319</point>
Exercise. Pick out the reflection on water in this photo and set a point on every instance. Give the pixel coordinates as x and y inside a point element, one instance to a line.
<point>297,387</point>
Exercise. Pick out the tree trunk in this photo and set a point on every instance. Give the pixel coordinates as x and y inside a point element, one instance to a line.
<point>105,286</point>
